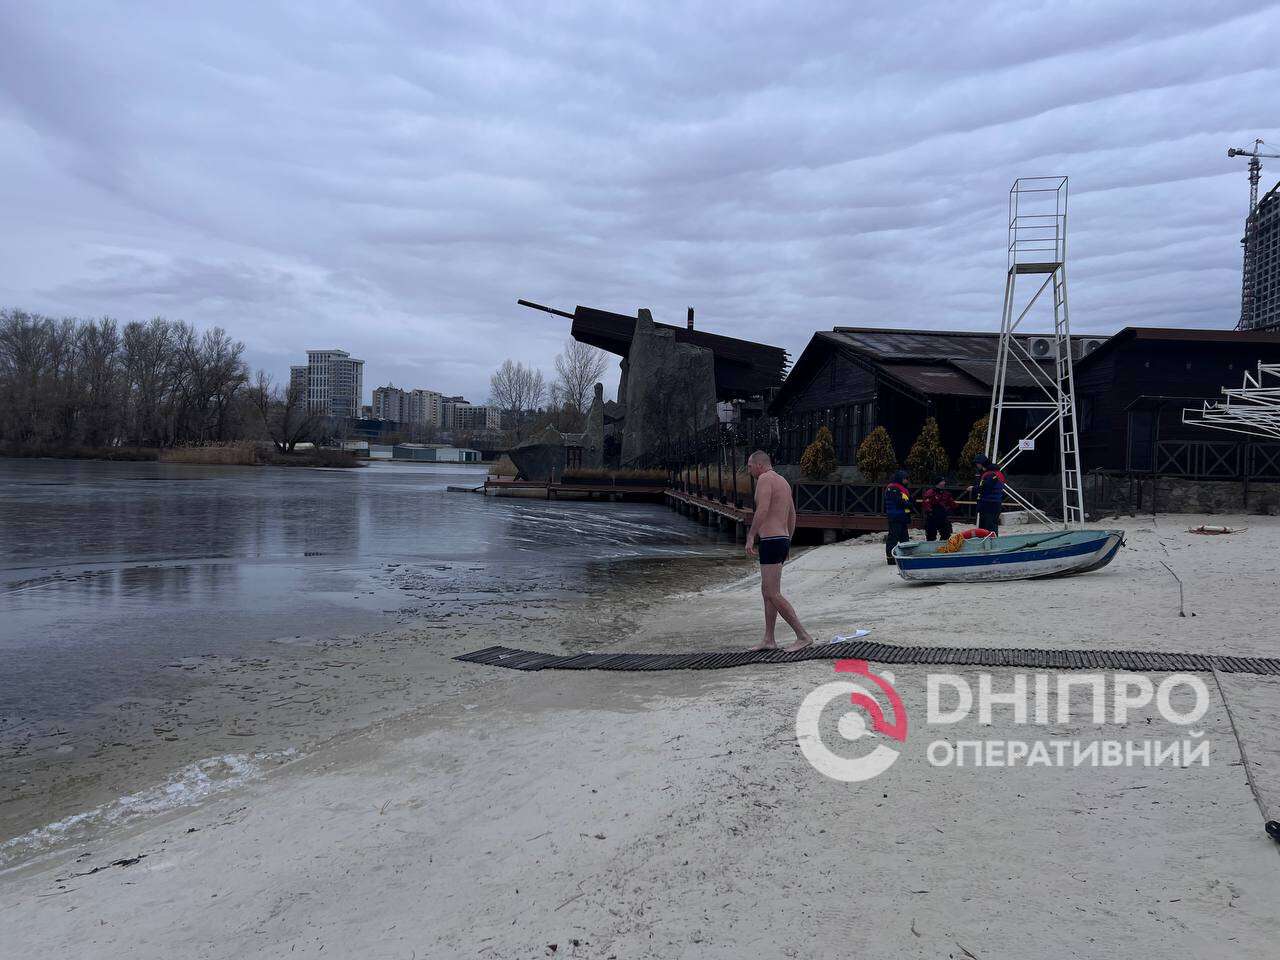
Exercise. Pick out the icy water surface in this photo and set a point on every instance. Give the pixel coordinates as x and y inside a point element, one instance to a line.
<point>108,571</point>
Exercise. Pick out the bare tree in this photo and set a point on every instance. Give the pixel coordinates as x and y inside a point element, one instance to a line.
<point>517,391</point>
<point>102,392</point>
<point>578,367</point>
<point>287,417</point>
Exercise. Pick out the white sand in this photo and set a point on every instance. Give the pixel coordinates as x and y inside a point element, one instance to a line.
<point>672,815</point>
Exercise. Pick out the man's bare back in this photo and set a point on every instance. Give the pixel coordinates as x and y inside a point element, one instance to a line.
<point>775,505</point>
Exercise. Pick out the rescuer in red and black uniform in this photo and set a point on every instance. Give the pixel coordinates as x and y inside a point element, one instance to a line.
<point>989,490</point>
<point>937,504</point>
<point>897,509</point>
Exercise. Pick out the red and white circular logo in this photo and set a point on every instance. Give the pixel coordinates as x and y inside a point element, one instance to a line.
<point>862,688</point>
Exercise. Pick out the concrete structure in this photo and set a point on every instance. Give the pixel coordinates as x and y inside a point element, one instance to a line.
<point>547,455</point>
<point>434,453</point>
<point>594,432</point>
<point>299,377</point>
<point>1265,281</point>
<point>335,382</point>
<point>670,392</point>
<point>671,378</point>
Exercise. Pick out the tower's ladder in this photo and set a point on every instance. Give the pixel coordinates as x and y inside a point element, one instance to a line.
<point>1068,435</point>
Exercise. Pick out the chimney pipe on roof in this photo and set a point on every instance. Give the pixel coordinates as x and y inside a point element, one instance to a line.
<point>689,322</point>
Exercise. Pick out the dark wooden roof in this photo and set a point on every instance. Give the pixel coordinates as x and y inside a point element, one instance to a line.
<point>927,363</point>
<point>1187,335</point>
<point>743,368</point>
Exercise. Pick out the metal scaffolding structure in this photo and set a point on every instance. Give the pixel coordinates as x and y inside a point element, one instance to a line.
<point>1252,408</point>
<point>1038,249</point>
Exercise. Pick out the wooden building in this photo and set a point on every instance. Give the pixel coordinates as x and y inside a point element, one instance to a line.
<point>853,379</point>
<point>1131,391</point>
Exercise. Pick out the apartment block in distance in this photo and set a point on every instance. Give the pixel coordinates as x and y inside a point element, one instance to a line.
<point>419,407</point>
<point>462,416</point>
<point>335,382</point>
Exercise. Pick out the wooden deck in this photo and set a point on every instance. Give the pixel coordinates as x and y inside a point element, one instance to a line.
<point>710,510</point>
<point>543,490</point>
<point>728,514</point>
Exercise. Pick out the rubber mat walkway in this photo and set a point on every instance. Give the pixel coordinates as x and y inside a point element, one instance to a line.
<point>1135,660</point>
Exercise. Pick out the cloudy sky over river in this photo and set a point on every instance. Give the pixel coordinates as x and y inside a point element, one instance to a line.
<point>390,177</point>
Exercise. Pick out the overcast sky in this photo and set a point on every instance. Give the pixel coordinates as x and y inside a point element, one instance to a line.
<point>390,177</point>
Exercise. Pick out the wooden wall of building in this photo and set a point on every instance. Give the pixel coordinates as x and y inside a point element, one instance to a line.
<point>1114,437</point>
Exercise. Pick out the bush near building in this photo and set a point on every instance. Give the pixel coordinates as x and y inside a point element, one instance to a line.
<point>976,444</point>
<point>876,457</point>
<point>927,459</point>
<point>819,459</point>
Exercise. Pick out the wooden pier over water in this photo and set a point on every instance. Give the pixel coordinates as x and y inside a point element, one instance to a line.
<point>551,490</point>
<point>723,512</point>
<point>825,511</point>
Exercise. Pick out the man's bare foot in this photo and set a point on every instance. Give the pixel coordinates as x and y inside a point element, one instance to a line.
<point>765,645</point>
<point>800,645</point>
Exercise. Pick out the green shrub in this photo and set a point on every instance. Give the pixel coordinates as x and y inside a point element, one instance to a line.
<point>976,444</point>
<point>927,458</point>
<point>876,457</point>
<point>819,458</point>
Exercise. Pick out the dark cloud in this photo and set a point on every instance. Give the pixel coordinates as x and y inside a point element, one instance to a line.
<point>390,177</point>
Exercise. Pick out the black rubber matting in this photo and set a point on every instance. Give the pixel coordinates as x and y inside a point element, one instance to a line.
<point>1135,660</point>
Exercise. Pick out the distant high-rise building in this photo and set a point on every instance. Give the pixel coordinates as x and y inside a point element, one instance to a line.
<point>335,382</point>
<point>426,408</point>
<point>462,416</point>
<point>299,378</point>
<point>389,403</point>
<point>419,407</point>
<point>1265,282</point>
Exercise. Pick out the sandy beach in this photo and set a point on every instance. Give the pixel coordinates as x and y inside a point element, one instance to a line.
<point>673,814</point>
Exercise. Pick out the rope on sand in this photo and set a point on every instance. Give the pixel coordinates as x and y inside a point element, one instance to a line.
<point>1272,823</point>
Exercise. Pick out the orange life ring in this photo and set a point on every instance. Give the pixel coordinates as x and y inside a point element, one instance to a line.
<point>976,532</point>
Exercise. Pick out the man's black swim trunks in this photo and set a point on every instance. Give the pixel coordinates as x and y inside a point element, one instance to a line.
<point>774,550</point>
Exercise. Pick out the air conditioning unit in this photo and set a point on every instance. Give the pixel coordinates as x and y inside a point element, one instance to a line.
<point>1041,348</point>
<point>1091,345</point>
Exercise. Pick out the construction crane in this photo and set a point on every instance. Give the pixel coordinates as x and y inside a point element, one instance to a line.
<point>1250,224</point>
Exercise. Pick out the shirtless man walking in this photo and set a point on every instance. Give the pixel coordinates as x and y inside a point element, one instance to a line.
<point>774,521</point>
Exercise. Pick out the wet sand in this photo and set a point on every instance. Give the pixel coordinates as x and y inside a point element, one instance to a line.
<point>216,720</point>
<point>672,814</point>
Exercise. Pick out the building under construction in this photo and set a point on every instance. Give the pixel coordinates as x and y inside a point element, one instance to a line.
<point>1262,301</point>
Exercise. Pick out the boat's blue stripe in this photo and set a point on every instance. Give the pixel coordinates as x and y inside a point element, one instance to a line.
<point>1013,556</point>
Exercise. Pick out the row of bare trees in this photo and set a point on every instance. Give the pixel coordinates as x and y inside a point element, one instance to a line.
<point>528,403</point>
<point>96,383</point>
<point>67,384</point>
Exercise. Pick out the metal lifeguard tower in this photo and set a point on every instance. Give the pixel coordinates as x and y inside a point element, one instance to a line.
<point>1037,255</point>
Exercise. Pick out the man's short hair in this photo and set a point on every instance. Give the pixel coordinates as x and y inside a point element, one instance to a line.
<point>760,457</point>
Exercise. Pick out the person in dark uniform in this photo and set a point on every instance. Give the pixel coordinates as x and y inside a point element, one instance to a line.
<point>989,492</point>
<point>897,509</point>
<point>937,504</point>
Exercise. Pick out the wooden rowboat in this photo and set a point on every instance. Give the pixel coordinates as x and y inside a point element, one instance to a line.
<point>1020,556</point>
